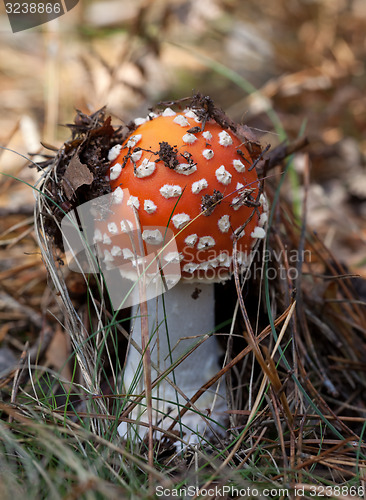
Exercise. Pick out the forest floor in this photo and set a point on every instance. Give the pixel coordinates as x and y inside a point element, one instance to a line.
<point>288,70</point>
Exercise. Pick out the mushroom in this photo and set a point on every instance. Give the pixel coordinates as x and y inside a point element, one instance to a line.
<point>197,179</point>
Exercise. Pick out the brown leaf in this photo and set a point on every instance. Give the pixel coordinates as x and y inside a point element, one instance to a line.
<point>105,129</point>
<point>58,354</point>
<point>77,174</point>
<point>250,140</point>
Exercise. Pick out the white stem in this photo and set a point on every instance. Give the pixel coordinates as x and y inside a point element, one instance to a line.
<point>189,312</point>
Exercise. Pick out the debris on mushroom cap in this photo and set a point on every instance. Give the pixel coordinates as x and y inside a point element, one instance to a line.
<point>193,174</point>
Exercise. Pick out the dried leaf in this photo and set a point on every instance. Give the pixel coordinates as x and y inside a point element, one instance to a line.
<point>58,354</point>
<point>105,129</point>
<point>77,174</point>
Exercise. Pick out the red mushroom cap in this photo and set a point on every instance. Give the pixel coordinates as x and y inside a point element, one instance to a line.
<point>199,183</point>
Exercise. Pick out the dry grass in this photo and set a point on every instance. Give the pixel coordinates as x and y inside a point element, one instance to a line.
<point>296,343</point>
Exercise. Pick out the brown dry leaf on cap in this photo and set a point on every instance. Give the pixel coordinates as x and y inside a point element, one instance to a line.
<point>77,174</point>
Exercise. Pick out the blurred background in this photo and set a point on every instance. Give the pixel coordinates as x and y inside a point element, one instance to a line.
<point>287,68</point>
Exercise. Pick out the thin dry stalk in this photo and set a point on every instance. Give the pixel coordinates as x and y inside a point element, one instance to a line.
<point>145,342</point>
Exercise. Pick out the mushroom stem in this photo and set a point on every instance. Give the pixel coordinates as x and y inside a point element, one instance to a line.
<point>177,321</point>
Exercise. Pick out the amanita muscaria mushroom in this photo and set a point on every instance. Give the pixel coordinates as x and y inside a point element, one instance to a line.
<point>186,172</point>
